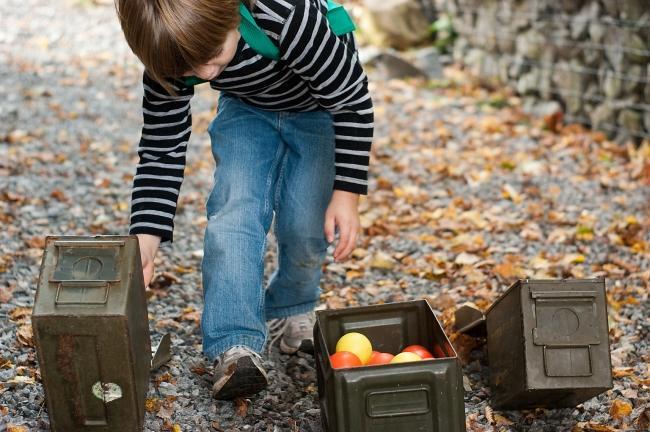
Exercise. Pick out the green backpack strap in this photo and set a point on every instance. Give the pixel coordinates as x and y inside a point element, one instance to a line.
<point>255,36</point>
<point>338,19</point>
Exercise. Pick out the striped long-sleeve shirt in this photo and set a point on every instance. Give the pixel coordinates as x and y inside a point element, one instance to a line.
<point>316,70</point>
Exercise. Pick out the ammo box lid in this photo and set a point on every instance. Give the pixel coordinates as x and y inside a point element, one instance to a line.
<point>86,275</point>
<point>546,283</point>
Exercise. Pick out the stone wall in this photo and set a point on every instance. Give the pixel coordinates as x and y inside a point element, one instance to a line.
<point>592,56</point>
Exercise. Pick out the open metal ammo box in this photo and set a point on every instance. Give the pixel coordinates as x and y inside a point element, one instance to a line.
<point>92,333</point>
<point>418,396</point>
<point>548,344</point>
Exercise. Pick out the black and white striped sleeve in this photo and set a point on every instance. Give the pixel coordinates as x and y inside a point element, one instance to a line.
<point>337,81</point>
<point>162,149</point>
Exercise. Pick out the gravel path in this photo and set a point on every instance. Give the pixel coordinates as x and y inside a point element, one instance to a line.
<point>467,194</point>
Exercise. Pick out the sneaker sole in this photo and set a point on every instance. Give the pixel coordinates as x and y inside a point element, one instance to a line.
<point>307,345</point>
<point>246,380</point>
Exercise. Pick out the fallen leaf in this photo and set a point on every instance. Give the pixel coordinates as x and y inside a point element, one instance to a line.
<point>464,258</point>
<point>5,363</point>
<point>241,406</point>
<point>35,242</point>
<point>382,260</point>
<point>152,405</point>
<point>621,372</point>
<point>489,414</point>
<point>572,259</point>
<point>163,280</point>
<point>21,379</point>
<point>165,413</point>
<point>25,335</point>
<point>199,370</point>
<point>620,408</point>
<point>354,274</point>
<point>20,314</point>
<point>6,292</point>
<point>59,195</point>
<point>510,193</point>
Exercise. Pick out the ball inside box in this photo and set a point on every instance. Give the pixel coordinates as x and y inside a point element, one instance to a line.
<point>423,395</point>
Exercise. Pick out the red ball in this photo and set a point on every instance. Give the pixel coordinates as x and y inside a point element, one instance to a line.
<point>419,350</point>
<point>438,351</point>
<point>379,358</point>
<point>344,359</point>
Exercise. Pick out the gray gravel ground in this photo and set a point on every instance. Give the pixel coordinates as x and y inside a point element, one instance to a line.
<point>457,189</point>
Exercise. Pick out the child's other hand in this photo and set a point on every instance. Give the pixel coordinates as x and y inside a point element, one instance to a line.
<point>148,247</point>
<point>343,213</point>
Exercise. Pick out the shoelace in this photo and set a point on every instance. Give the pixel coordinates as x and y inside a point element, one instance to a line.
<point>277,327</point>
<point>234,352</point>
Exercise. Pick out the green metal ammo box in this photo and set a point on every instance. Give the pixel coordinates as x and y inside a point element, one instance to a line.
<point>92,333</point>
<point>548,344</point>
<point>425,395</point>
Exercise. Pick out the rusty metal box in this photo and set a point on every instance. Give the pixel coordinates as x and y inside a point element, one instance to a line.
<point>548,344</point>
<point>92,333</point>
<point>418,396</point>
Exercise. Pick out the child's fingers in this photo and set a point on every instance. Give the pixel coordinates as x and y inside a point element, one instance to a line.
<point>349,246</point>
<point>344,240</point>
<point>329,228</point>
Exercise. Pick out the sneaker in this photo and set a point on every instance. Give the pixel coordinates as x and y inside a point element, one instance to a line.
<point>295,333</point>
<point>238,373</point>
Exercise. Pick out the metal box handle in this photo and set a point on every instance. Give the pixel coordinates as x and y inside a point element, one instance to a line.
<point>398,402</point>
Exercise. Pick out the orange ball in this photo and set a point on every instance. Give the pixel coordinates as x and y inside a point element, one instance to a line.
<point>344,359</point>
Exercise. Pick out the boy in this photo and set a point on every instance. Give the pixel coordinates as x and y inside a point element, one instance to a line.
<point>292,136</point>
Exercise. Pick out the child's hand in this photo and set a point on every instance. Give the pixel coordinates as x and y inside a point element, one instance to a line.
<point>343,213</point>
<point>148,247</point>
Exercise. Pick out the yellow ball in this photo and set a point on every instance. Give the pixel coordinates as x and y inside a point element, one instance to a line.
<point>404,357</point>
<point>357,344</point>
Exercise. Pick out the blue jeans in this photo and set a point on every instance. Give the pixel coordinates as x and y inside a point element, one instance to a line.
<point>266,161</point>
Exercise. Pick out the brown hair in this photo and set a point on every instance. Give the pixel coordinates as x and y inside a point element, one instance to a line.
<point>172,37</point>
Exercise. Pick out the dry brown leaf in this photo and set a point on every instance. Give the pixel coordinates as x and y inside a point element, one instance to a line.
<point>20,314</point>
<point>241,406</point>
<point>165,413</point>
<point>25,335</point>
<point>163,280</point>
<point>354,274</point>
<point>643,421</point>
<point>572,259</point>
<point>335,302</point>
<point>59,195</point>
<point>5,363</point>
<point>382,260</point>
<point>199,370</point>
<point>152,405</point>
<point>502,421</point>
<point>35,242</point>
<point>193,316</point>
<point>21,379</point>
<point>489,414</point>
<point>620,408</point>
<point>464,258</point>
<point>6,292</point>
<point>591,427</point>
<point>510,193</point>
<point>621,372</point>
<point>17,428</point>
